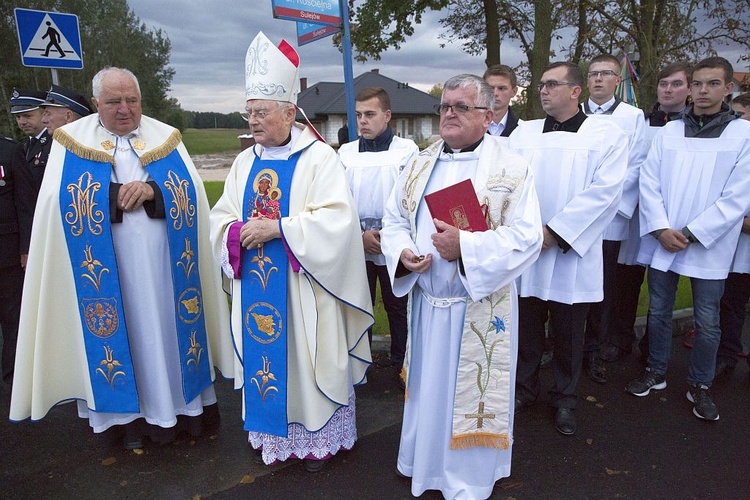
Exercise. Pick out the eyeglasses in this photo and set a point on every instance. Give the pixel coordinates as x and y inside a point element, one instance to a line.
<point>260,114</point>
<point>553,84</point>
<point>459,109</point>
<point>597,74</point>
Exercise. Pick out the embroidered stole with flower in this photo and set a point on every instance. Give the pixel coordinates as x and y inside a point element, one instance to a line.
<point>264,300</point>
<point>84,202</point>
<point>481,407</point>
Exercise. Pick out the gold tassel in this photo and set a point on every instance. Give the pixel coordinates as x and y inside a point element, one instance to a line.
<point>80,150</point>
<point>164,150</point>
<point>480,440</point>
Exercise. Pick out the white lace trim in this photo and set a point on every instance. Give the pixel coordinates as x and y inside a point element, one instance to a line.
<point>339,433</point>
<point>225,265</point>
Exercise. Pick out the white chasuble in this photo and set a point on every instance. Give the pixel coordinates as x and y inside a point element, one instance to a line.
<point>450,441</point>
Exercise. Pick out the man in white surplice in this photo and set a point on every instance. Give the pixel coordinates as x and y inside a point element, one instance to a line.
<point>579,165</point>
<point>457,429</point>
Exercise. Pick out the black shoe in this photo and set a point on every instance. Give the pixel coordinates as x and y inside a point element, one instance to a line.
<point>314,466</point>
<point>546,361</point>
<point>565,421</point>
<point>520,406</point>
<point>724,368</point>
<point>595,370</point>
<point>612,353</point>
<point>257,456</point>
<point>703,406</point>
<point>645,383</point>
<point>132,444</point>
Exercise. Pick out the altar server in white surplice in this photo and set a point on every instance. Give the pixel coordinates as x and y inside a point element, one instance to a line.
<point>579,164</point>
<point>603,79</point>
<point>286,234</point>
<point>122,306</point>
<point>373,163</point>
<point>694,194</point>
<point>457,431</point>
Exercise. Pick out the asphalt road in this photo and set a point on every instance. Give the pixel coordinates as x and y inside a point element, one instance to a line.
<point>626,447</point>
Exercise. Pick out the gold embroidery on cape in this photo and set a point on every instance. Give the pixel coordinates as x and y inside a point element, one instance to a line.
<point>78,149</point>
<point>480,415</point>
<point>90,263</point>
<point>100,316</point>
<point>83,207</point>
<point>139,145</point>
<point>188,264</point>
<point>264,322</point>
<point>108,145</point>
<point>190,299</point>
<point>111,363</point>
<point>161,152</point>
<point>195,351</point>
<point>183,210</point>
<point>263,378</point>
<point>408,202</point>
<point>262,272</point>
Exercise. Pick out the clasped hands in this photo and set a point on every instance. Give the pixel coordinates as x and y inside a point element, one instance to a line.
<point>447,243</point>
<point>257,231</point>
<point>673,240</point>
<point>133,194</point>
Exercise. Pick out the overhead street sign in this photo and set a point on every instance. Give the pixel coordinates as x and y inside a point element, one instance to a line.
<point>308,33</point>
<point>308,11</point>
<point>49,39</point>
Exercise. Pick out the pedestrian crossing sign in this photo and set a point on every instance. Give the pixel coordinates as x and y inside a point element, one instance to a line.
<point>49,39</point>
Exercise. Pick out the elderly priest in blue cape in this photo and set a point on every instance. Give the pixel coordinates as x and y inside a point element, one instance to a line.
<point>287,234</point>
<point>122,307</point>
<point>460,365</point>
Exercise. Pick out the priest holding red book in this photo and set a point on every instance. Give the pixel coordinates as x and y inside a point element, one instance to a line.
<point>461,353</point>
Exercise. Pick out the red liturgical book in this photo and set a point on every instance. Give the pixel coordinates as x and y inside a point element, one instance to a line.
<point>458,206</point>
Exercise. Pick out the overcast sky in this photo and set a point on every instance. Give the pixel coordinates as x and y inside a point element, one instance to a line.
<point>209,41</point>
<point>210,38</point>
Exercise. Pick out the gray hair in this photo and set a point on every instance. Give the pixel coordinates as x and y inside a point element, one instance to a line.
<point>97,83</point>
<point>485,93</point>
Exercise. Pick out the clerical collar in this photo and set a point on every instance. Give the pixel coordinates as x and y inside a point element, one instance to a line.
<point>569,125</point>
<point>471,147</point>
<point>605,107</point>
<point>380,143</point>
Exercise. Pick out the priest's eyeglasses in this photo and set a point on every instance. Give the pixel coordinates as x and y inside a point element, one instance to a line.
<point>553,84</point>
<point>459,109</point>
<point>604,73</point>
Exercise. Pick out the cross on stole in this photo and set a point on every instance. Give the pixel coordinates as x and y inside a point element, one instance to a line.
<point>480,415</point>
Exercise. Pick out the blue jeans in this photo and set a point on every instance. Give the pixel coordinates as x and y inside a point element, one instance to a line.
<point>662,287</point>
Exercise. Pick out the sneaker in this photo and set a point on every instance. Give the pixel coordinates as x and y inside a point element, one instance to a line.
<point>643,384</point>
<point>703,406</point>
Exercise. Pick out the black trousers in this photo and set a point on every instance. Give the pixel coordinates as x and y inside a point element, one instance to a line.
<point>600,319</point>
<point>395,308</point>
<point>629,281</point>
<point>567,321</point>
<point>732,319</point>
<point>11,286</point>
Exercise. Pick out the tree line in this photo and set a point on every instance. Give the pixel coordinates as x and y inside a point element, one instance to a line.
<point>660,31</point>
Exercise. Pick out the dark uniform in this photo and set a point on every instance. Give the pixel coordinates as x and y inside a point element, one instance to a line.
<point>12,209</point>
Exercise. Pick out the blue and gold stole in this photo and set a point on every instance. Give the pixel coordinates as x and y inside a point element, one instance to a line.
<point>264,300</point>
<point>84,202</point>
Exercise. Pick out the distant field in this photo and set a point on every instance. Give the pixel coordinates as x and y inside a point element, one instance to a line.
<point>213,140</point>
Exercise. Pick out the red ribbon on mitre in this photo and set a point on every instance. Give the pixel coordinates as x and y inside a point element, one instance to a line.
<point>289,52</point>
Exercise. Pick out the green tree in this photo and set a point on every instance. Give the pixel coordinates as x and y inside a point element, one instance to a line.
<point>436,91</point>
<point>660,30</point>
<point>111,35</point>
